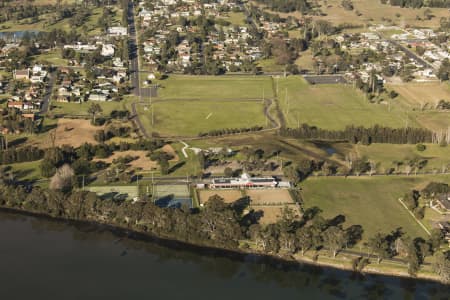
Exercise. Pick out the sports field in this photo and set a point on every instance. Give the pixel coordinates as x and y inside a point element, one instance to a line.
<point>172,195</point>
<point>228,196</point>
<point>176,190</point>
<point>370,202</point>
<point>215,87</point>
<point>333,106</point>
<point>115,192</point>
<point>190,117</point>
<point>269,197</point>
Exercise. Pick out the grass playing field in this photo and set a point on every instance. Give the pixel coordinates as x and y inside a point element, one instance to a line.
<point>333,106</point>
<point>215,87</point>
<point>190,117</point>
<point>370,202</point>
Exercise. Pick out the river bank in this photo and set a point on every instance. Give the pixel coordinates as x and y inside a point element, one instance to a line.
<point>241,255</point>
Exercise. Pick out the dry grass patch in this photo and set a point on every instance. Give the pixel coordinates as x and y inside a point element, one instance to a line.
<point>169,150</point>
<point>229,196</point>
<point>142,162</point>
<point>271,214</point>
<point>269,197</point>
<point>75,132</point>
<point>418,94</point>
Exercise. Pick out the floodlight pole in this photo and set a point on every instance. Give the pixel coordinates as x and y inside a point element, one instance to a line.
<point>153,118</point>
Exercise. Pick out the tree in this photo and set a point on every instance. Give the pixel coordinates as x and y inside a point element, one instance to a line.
<point>47,168</point>
<point>441,265</point>
<point>380,246</point>
<point>304,239</point>
<point>334,238</point>
<point>94,110</point>
<point>228,172</point>
<point>436,239</point>
<point>63,178</point>
<point>164,166</point>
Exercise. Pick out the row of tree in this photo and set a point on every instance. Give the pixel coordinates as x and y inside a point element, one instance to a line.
<point>219,132</point>
<point>360,134</point>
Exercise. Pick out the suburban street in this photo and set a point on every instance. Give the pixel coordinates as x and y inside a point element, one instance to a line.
<point>48,92</point>
<point>133,50</point>
<point>411,54</point>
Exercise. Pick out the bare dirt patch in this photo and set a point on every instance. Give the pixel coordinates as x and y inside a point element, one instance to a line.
<point>269,197</point>
<point>142,162</point>
<point>75,132</point>
<point>229,196</point>
<point>169,150</point>
<point>271,214</point>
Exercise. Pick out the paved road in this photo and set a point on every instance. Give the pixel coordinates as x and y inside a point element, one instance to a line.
<point>412,55</point>
<point>48,92</point>
<point>137,121</point>
<point>133,50</point>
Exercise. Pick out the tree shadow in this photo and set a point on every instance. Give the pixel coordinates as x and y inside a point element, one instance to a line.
<point>336,221</point>
<point>17,142</point>
<point>48,127</point>
<point>240,205</point>
<point>177,166</point>
<point>253,217</point>
<point>311,212</point>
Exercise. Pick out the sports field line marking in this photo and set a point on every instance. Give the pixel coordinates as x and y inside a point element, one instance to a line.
<point>208,116</point>
<point>417,220</point>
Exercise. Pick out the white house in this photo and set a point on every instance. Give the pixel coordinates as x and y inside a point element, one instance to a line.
<point>117,31</point>
<point>98,97</point>
<point>107,50</point>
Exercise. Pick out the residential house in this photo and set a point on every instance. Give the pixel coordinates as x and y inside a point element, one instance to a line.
<point>21,74</point>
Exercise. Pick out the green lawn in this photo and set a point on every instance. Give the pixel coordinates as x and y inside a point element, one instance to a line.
<point>53,57</point>
<point>236,18</point>
<point>333,106</point>
<point>190,117</point>
<point>215,87</point>
<point>82,109</point>
<point>386,154</point>
<point>269,65</point>
<point>27,170</point>
<point>370,202</point>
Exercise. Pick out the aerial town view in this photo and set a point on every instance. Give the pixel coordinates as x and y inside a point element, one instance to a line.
<point>225,149</point>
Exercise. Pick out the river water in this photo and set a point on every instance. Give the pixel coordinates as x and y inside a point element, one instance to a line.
<point>44,259</point>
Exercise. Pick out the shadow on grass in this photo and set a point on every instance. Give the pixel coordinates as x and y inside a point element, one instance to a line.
<point>17,142</point>
<point>47,128</point>
<point>177,166</point>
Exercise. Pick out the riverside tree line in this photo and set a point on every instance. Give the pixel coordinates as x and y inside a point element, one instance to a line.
<point>223,225</point>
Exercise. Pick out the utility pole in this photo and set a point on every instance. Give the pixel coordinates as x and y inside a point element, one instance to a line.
<point>153,117</point>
